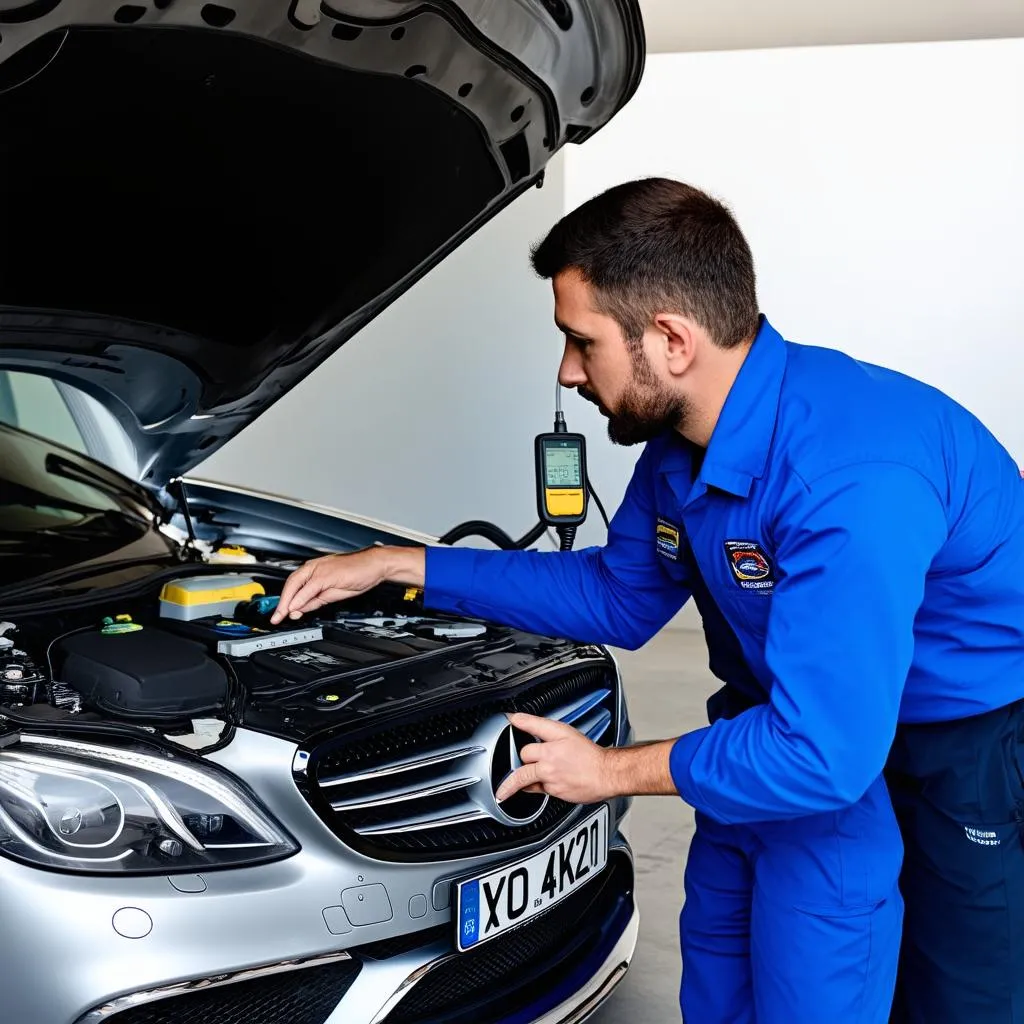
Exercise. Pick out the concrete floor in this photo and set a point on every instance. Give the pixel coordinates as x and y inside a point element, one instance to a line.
<point>667,684</point>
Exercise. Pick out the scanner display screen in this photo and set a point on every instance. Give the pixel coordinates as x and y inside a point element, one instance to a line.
<point>561,478</point>
<point>562,466</point>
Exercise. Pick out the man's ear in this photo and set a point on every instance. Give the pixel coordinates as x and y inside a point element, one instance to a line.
<point>680,341</point>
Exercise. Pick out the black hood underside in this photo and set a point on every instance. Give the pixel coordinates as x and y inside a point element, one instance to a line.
<point>200,207</point>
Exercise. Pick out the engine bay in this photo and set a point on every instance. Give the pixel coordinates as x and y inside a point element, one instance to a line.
<point>198,654</point>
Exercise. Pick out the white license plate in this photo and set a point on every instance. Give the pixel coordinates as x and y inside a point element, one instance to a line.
<point>491,904</point>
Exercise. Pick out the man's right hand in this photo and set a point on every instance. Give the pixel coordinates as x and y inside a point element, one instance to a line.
<point>338,577</point>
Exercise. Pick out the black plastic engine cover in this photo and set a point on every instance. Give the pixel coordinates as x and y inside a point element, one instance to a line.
<point>146,674</point>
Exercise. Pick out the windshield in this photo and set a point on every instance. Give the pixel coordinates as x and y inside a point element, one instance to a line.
<point>59,509</point>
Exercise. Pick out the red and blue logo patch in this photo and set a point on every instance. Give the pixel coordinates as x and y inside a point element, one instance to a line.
<point>749,564</point>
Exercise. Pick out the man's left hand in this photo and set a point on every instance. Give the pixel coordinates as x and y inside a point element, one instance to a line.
<point>565,764</point>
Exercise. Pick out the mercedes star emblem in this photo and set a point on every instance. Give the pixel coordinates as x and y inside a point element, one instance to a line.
<point>520,808</point>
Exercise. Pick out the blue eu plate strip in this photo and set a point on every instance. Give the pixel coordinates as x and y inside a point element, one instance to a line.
<point>470,920</point>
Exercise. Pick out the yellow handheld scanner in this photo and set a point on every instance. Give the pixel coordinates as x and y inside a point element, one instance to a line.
<point>561,478</point>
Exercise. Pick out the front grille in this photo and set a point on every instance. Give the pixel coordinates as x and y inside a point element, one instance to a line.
<point>504,975</point>
<point>308,995</point>
<point>408,792</point>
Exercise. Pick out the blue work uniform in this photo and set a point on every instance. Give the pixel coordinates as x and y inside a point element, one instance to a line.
<point>854,541</point>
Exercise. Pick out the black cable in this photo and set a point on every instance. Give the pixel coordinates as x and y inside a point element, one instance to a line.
<point>479,528</point>
<point>528,538</point>
<point>597,502</point>
<point>50,675</point>
<point>498,537</point>
<point>495,534</point>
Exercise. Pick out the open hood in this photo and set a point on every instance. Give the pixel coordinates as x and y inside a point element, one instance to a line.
<point>203,201</point>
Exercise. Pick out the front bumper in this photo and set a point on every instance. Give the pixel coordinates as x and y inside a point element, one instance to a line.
<point>206,958</point>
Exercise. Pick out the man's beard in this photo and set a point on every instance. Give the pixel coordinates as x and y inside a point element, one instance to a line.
<point>646,409</point>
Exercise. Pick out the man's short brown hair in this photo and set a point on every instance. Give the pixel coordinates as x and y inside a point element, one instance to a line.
<point>658,246</point>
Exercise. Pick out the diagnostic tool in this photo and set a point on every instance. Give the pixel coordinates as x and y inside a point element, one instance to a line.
<point>561,478</point>
<point>563,492</point>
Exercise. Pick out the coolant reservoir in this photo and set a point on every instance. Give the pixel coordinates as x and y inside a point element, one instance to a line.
<point>199,596</point>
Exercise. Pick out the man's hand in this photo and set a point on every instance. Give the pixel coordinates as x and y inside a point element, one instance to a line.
<point>338,577</point>
<point>567,765</point>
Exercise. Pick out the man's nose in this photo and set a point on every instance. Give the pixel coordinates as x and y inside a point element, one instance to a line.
<point>570,372</point>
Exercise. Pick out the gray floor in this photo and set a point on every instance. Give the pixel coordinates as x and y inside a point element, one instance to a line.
<point>667,684</point>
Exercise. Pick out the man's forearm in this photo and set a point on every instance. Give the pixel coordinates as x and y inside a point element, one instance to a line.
<point>641,769</point>
<point>405,565</point>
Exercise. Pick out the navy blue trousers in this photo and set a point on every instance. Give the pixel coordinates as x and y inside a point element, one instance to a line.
<point>958,792</point>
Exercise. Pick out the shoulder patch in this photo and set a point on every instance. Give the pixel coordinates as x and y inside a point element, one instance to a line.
<point>750,565</point>
<point>667,540</point>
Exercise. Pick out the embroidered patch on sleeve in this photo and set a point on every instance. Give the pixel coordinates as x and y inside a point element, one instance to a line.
<point>667,539</point>
<point>751,567</point>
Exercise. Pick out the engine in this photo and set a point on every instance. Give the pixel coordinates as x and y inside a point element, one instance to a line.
<point>201,651</point>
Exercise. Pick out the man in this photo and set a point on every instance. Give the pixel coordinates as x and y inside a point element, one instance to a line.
<point>854,541</point>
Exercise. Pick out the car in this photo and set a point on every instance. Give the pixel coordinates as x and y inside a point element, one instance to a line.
<point>205,817</point>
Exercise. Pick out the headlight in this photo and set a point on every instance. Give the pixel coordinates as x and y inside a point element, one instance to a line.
<point>117,810</point>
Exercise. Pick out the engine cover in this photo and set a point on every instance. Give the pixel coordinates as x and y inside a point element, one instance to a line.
<point>143,672</point>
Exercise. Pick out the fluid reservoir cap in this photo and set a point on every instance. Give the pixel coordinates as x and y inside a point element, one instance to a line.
<point>119,624</point>
<point>232,551</point>
<point>132,923</point>
<point>232,628</point>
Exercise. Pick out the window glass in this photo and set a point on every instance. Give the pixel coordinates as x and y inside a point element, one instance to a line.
<point>34,403</point>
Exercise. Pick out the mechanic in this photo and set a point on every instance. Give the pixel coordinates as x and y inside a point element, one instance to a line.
<point>854,541</point>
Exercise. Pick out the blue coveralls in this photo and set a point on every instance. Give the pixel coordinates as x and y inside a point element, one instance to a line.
<point>854,541</point>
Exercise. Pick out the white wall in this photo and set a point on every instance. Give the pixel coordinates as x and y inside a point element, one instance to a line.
<point>881,189</point>
<point>427,417</point>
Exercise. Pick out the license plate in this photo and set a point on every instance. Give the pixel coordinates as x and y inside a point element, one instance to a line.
<point>491,904</point>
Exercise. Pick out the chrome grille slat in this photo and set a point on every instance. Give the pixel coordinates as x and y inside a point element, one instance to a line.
<point>570,713</point>
<point>398,767</point>
<point>424,821</point>
<point>595,724</point>
<point>399,796</point>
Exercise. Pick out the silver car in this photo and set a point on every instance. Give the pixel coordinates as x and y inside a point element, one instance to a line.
<point>206,819</point>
